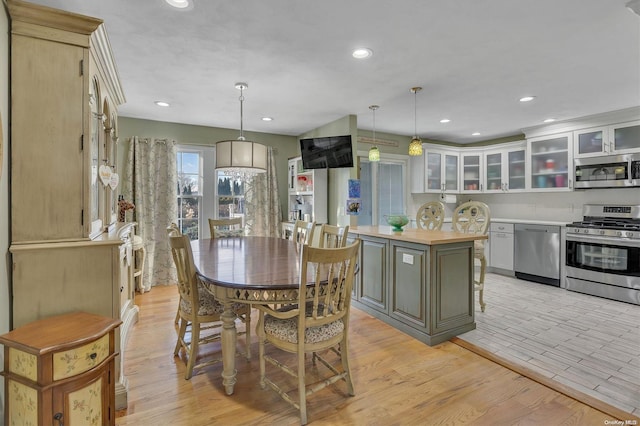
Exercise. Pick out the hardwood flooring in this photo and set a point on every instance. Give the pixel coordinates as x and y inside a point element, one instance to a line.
<point>575,341</point>
<point>398,381</point>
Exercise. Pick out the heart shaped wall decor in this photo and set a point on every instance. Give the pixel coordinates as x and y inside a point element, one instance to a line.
<point>113,182</point>
<point>105,174</point>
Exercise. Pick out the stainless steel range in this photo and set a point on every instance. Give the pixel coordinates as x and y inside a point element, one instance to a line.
<point>603,252</point>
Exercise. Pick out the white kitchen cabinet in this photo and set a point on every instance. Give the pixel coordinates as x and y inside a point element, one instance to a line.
<point>472,171</point>
<point>441,170</point>
<point>620,138</point>
<point>551,161</point>
<point>501,241</point>
<point>505,168</point>
<point>307,192</point>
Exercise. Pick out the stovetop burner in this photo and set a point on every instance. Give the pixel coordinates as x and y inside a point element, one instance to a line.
<point>610,221</point>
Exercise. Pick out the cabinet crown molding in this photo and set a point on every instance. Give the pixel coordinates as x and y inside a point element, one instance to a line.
<point>53,18</point>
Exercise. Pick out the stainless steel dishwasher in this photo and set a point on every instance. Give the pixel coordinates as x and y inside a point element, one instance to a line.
<point>537,253</point>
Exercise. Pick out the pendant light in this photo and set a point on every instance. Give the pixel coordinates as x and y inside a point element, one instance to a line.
<point>415,147</point>
<point>241,157</point>
<point>374,152</point>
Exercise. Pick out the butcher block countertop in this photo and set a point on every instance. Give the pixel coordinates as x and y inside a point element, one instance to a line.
<point>414,235</point>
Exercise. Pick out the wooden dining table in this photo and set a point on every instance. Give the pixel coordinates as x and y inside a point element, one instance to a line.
<point>254,270</point>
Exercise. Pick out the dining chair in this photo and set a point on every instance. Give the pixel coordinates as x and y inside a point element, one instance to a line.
<point>303,232</point>
<point>173,230</point>
<point>321,315</point>
<point>226,228</point>
<point>473,217</point>
<point>199,310</point>
<point>430,216</point>
<point>332,236</point>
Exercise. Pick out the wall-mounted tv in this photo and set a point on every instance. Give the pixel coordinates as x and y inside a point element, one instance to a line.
<point>326,153</point>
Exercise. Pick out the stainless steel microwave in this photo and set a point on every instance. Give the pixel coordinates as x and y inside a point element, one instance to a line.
<point>611,171</point>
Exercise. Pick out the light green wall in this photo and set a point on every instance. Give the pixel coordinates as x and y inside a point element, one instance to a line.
<point>284,146</point>
<point>4,190</point>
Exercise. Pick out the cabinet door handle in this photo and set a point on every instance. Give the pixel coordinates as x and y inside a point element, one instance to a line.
<point>121,288</point>
<point>58,417</point>
<point>94,355</point>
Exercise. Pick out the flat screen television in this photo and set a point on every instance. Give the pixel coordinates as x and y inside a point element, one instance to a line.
<point>326,153</point>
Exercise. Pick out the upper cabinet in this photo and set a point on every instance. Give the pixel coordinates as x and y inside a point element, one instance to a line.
<point>607,140</point>
<point>441,170</point>
<point>551,162</point>
<point>435,171</point>
<point>307,192</point>
<point>505,168</point>
<point>472,171</point>
<point>62,77</point>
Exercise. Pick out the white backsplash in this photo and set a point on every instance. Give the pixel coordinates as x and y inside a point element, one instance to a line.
<point>542,206</point>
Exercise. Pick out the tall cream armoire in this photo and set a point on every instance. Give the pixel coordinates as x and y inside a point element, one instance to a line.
<point>68,251</point>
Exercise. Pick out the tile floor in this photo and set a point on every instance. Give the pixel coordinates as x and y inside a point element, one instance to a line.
<point>587,343</point>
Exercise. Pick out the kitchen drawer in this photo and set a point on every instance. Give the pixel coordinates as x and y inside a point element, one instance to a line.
<point>78,360</point>
<point>501,227</point>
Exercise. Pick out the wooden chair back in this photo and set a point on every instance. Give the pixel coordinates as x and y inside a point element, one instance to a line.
<point>472,217</point>
<point>332,236</point>
<point>325,303</point>
<point>186,270</point>
<point>173,229</point>
<point>226,228</point>
<point>303,232</point>
<point>430,216</point>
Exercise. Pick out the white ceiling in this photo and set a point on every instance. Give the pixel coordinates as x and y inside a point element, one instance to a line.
<point>473,58</point>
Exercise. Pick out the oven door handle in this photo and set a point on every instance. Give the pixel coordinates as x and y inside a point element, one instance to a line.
<point>596,239</point>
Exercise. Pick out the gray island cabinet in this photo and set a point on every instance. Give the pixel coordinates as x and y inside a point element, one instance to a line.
<point>419,281</point>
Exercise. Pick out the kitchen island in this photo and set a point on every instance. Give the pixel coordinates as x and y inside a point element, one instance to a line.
<point>419,281</point>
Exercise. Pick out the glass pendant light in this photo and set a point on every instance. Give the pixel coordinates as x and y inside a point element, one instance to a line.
<point>374,152</point>
<point>415,147</point>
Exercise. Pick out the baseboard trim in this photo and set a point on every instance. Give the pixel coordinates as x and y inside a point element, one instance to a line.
<point>595,403</point>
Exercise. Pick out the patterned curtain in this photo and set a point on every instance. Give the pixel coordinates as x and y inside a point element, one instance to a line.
<point>150,183</point>
<point>262,203</point>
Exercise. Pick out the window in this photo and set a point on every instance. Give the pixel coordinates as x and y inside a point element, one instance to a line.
<point>190,183</point>
<point>383,188</point>
<point>230,195</point>
<point>203,192</point>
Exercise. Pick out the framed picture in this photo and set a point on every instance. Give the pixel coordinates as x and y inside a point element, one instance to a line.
<point>354,188</point>
<point>353,206</point>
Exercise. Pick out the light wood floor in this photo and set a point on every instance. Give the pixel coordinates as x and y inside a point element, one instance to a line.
<point>584,343</point>
<point>398,380</point>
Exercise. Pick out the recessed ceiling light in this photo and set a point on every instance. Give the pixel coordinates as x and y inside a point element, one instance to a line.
<point>362,53</point>
<point>475,134</point>
<point>180,4</point>
<point>527,99</point>
<point>549,120</point>
<point>267,119</point>
<point>162,103</point>
<point>445,120</point>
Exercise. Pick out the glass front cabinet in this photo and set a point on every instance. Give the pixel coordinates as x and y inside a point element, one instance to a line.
<point>472,172</point>
<point>441,171</point>
<point>551,160</point>
<point>505,169</point>
<point>607,140</point>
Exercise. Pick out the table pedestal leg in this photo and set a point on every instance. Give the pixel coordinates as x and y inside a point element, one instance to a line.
<point>228,348</point>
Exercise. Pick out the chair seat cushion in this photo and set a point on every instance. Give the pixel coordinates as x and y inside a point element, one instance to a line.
<point>228,233</point>
<point>287,330</point>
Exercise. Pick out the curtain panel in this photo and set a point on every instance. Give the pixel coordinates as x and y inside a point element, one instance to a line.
<point>150,183</point>
<point>263,213</point>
